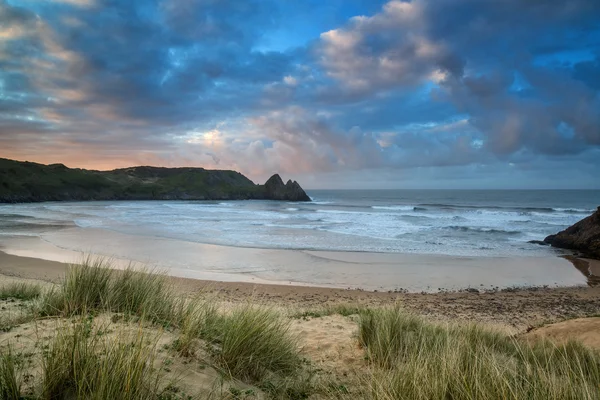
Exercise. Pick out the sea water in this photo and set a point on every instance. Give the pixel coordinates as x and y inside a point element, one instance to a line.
<point>478,223</point>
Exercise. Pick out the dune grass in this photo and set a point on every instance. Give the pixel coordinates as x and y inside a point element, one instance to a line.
<point>406,357</point>
<point>413,359</point>
<point>81,363</point>
<point>10,377</point>
<point>255,341</point>
<point>94,286</point>
<point>86,286</point>
<point>197,318</point>
<point>249,343</point>
<point>20,291</point>
<point>142,292</point>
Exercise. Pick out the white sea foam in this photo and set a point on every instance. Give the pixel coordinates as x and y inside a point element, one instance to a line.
<point>394,208</point>
<point>346,223</point>
<point>88,223</point>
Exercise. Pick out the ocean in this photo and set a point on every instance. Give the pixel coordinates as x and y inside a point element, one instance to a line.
<point>477,223</point>
<point>416,240</point>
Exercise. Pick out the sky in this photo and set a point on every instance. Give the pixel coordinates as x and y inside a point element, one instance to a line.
<point>335,94</point>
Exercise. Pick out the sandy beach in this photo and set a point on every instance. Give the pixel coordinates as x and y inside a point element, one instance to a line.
<point>515,309</point>
<point>333,269</point>
<point>328,341</point>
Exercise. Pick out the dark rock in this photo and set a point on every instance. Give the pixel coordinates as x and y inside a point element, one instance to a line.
<point>540,242</point>
<point>291,191</point>
<point>471,290</point>
<point>583,236</point>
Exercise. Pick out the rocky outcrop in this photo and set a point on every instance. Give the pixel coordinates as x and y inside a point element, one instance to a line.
<point>583,236</point>
<point>291,191</point>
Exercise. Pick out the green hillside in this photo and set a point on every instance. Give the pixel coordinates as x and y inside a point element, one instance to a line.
<point>32,182</point>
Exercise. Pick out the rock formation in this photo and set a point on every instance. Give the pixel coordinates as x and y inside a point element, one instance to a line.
<point>291,191</point>
<point>583,236</point>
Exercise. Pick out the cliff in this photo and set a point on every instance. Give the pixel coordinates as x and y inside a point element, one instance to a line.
<point>583,236</point>
<point>31,182</point>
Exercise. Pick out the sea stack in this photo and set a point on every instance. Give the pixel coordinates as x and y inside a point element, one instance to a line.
<point>275,189</point>
<point>583,236</point>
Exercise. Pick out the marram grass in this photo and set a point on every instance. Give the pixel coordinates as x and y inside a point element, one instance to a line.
<point>405,356</point>
<point>255,341</point>
<point>413,359</point>
<point>81,363</point>
<point>10,376</point>
<point>20,291</point>
<point>94,286</point>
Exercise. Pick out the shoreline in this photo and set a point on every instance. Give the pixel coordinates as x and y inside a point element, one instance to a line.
<point>328,269</point>
<point>516,310</point>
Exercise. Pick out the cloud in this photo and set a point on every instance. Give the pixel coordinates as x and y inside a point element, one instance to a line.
<point>389,49</point>
<point>474,53</point>
<point>407,86</point>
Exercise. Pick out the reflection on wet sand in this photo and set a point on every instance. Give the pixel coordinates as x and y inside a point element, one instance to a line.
<point>588,267</point>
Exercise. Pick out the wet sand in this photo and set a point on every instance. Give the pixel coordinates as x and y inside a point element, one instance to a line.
<point>517,310</point>
<point>364,270</point>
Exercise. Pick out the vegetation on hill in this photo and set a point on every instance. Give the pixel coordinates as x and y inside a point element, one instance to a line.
<point>32,182</point>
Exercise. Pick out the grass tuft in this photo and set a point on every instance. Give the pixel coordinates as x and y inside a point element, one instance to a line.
<point>197,318</point>
<point>86,286</point>
<point>80,363</point>
<point>141,292</point>
<point>94,286</point>
<point>254,342</point>
<point>414,359</point>
<point>10,378</point>
<point>20,291</point>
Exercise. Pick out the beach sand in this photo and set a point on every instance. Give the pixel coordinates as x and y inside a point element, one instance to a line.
<point>330,269</point>
<point>515,309</point>
<point>329,342</point>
